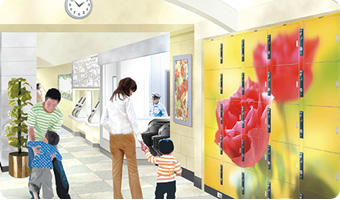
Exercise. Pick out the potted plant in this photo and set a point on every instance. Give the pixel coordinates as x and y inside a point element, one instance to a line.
<point>17,130</point>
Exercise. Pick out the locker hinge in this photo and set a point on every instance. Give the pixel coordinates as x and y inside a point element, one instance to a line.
<point>337,38</point>
<point>337,176</point>
<point>269,47</point>
<point>301,196</point>
<point>301,124</point>
<point>269,120</point>
<point>301,165</point>
<point>221,83</point>
<point>221,174</point>
<point>242,150</point>
<point>242,83</point>
<point>301,42</point>
<point>242,183</point>
<point>221,53</point>
<point>301,83</point>
<point>269,152</point>
<point>269,190</point>
<point>269,83</point>
<point>221,144</point>
<point>242,116</point>
<point>243,50</point>
<point>221,113</point>
<point>337,130</point>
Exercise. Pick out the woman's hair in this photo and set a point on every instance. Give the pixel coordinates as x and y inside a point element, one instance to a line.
<point>124,87</point>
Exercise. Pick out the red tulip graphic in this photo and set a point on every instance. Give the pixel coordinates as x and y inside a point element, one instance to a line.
<point>255,136</point>
<point>284,77</point>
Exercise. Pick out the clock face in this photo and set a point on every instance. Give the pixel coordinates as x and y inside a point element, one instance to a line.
<point>78,8</point>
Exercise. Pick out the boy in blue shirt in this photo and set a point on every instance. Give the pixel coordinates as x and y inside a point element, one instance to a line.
<point>42,165</point>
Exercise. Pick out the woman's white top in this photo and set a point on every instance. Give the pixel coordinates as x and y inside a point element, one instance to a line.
<point>119,117</point>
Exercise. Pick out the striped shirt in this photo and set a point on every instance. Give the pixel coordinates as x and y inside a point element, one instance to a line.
<point>167,167</point>
<point>41,120</point>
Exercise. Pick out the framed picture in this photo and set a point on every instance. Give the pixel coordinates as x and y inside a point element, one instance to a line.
<point>182,91</point>
<point>65,85</point>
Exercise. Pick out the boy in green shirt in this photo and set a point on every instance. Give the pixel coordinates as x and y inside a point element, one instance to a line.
<point>45,116</point>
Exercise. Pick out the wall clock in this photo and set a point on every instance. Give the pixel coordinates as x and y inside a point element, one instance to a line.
<point>78,9</point>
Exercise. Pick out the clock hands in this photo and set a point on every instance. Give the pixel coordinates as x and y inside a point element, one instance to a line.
<point>79,4</point>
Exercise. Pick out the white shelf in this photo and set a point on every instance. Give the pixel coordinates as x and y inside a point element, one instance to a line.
<point>80,119</point>
<point>92,124</point>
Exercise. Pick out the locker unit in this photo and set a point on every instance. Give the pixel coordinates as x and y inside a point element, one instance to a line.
<point>252,188</point>
<point>288,148</point>
<point>212,90</point>
<point>285,123</point>
<point>232,55</point>
<point>212,173</point>
<point>325,173</point>
<point>255,47</point>
<point>316,134</point>
<point>285,83</point>
<point>232,79</point>
<point>285,44</point>
<point>284,158</point>
<point>321,31</point>
<point>211,56</point>
<point>232,180</point>
<point>323,84</point>
<point>214,150</point>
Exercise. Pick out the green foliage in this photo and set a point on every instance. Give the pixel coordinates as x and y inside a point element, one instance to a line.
<point>19,96</point>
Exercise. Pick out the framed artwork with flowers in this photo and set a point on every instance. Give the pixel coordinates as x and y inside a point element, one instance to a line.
<point>182,89</point>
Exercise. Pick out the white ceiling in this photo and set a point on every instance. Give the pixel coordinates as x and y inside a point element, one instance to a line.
<point>243,4</point>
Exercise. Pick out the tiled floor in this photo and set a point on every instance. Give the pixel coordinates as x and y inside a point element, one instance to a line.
<point>89,175</point>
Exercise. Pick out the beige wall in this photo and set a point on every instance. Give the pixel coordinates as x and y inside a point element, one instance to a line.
<point>183,136</point>
<point>49,79</point>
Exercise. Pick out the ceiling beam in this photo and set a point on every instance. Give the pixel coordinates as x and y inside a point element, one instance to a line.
<point>216,11</point>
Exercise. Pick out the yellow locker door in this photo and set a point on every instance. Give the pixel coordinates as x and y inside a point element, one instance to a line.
<point>212,173</point>
<point>232,180</point>
<point>282,190</point>
<point>285,44</point>
<point>255,45</point>
<point>255,185</point>
<point>320,172</point>
<point>321,84</point>
<point>321,39</point>
<point>321,128</point>
<point>284,162</point>
<point>285,123</point>
<point>212,54</point>
<point>232,51</point>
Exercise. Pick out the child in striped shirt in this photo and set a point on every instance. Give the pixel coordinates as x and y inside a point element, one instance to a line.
<point>168,168</point>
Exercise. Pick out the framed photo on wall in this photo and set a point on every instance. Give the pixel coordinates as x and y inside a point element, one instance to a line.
<point>65,85</point>
<point>182,89</point>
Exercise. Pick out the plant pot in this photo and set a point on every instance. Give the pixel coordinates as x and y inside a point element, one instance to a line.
<point>18,165</point>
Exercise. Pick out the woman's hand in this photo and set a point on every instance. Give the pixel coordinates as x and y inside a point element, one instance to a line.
<point>37,151</point>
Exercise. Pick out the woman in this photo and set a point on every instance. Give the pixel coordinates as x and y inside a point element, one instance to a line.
<point>39,93</point>
<point>120,117</point>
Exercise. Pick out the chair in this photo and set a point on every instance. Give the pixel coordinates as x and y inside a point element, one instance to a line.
<point>153,128</point>
<point>163,132</point>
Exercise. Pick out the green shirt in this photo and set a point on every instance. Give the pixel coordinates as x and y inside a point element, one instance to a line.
<point>41,120</point>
